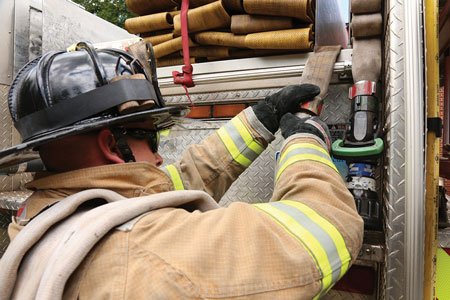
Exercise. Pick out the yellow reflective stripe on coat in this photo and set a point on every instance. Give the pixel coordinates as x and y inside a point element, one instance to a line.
<point>316,234</point>
<point>240,142</point>
<point>301,152</point>
<point>172,171</point>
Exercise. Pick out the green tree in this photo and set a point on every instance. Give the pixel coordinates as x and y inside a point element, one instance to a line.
<point>114,11</point>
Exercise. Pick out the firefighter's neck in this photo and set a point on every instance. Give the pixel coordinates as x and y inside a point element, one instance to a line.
<point>92,150</point>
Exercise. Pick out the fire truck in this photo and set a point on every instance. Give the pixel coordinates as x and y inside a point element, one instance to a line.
<point>406,256</point>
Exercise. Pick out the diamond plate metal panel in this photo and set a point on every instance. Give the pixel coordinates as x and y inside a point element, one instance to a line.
<point>402,173</point>
<point>9,204</point>
<point>394,179</point>
<point>13,200</point>
<point>255,184</point>
<point>6,182</point>
<point>5,135</point>
<point>170,149</point>
<point>189,132</point>
<point>336,106</point>
<point>5,219</point>
<point>7,139</point>
<point>240,96</point>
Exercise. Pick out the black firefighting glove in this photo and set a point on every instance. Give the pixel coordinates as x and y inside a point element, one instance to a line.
<point>290,124</point>
<point>270,110</point>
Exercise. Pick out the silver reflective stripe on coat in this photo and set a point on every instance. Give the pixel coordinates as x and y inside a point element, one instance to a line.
<point>304,152</point>
<point>240,142</point>
<point>317,235</point>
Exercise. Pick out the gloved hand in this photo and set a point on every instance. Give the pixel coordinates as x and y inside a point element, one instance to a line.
<point>270,110</point>
<point>290,124</point>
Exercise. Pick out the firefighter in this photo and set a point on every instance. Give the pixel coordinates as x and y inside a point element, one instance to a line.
<point>107,221</point>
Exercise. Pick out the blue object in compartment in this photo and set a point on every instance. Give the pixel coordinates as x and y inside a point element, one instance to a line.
<point>360,169</point>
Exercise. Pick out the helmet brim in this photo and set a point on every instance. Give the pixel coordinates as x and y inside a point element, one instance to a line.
<point>162,118</point>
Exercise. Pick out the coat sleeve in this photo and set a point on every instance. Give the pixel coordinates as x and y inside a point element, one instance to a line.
<point>311,202</point>
<point>294,247</point>
<point>213,165</point>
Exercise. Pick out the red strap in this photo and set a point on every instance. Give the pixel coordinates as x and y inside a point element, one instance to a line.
<point>184,78</point>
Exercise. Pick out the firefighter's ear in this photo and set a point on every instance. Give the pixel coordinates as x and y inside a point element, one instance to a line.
<point>108,147</point>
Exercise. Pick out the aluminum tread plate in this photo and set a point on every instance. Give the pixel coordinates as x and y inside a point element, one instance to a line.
<point>13,200</point>
<point>5,132</point>
<point>10,202</point>
<point>255,185</point>
<point>394,186</point>
<point>224,97</point>
<point>5,219</point>
<point>7,139</point>
<point>336,106</point>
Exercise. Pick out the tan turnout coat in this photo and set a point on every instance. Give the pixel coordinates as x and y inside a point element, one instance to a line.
<point>294,247</point>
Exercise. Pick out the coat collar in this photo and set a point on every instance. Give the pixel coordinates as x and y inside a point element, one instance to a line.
<point>128,179</point>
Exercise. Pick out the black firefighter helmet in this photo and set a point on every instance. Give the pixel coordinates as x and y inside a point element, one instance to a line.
<point>66,93</point>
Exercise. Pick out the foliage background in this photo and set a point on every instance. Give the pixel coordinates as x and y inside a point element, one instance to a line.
<point>114,11</point>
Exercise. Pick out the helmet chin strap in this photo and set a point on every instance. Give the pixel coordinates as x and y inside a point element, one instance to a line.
<point>122,144</point>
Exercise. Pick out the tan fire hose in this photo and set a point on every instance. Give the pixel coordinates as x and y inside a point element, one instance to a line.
<point>318,70</point>
<point>366,27</point>
<point>366,63</point>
